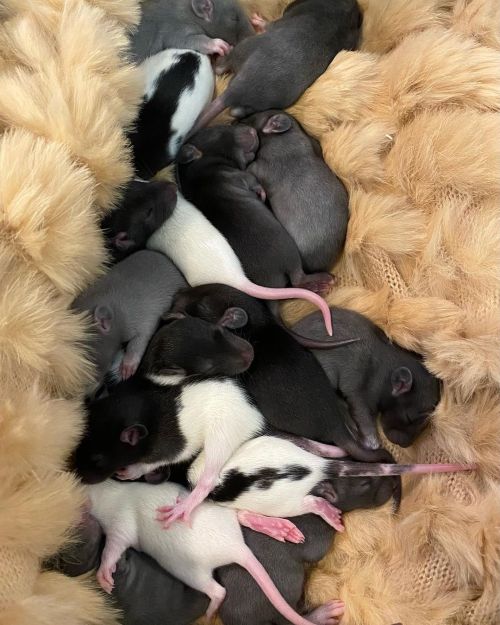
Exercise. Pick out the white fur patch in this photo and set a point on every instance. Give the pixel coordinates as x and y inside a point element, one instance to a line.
<point>286,496</point>
<point>192,99</point>
<point>216,415</point>
<point>198,249</point>
<point>166,380</point>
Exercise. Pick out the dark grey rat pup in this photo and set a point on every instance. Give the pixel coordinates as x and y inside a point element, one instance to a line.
<point>274,69</point>
<point>305,196</point>
<point>145,206</point>
<point>377,376</point>
<point>208,26</point>
<point>126,305</point>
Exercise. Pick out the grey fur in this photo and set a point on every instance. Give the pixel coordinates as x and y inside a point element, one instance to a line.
<point>136,292</point>
<point>174,24</point>
<point>274,69</point>
<point>306,197</point>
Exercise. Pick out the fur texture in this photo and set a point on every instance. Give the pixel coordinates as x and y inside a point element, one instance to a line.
<point>411,124</point>
<point>67,96</point>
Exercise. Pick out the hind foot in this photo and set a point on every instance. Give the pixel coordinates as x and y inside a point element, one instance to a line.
<point>279,529</point>
<point>320,283</point>
<point>330,514</point>
<point>328,614</point>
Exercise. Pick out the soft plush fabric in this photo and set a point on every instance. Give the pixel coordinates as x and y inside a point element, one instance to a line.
<point>411,125</point>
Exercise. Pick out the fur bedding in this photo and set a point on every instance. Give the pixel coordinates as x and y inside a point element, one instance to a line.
<point>411,123</point>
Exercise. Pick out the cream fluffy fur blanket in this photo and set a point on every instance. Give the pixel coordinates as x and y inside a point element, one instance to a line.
<point>411,123</point>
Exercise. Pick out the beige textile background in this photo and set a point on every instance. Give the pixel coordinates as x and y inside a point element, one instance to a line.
<point>411,125</point>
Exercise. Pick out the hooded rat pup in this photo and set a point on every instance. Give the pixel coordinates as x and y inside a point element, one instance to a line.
<point>208,26</point>
<point>274,69</point>
<point>285,380</point>
<point>305,195</point>
<point>178,85</point>
<point>276,478</point>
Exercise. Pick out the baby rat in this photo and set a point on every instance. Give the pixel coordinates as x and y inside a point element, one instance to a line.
<point>210,171</point>
<point>126,304</point>
<point>305,196</point>
<point>286,381</point>
<point>144,208</point>
<point>377,376</point>
<point>208,26</point>
<point>178,85</point>
<point>275,478</point>
<point>126,513</point>
<point>272,70</point>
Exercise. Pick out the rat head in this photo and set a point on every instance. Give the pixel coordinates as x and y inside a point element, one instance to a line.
<point>409,397</point>
<point>237,144</point>
<point>144,208</point>
<point>116,436</point>
<point>221,304</point>
<point>270,123</point>
<point>358,492</point>
<point>222,19</point>
<point>106,341</point>
<point>186,346</point>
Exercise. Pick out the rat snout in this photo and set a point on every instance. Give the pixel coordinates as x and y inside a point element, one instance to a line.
<point>247,356</point>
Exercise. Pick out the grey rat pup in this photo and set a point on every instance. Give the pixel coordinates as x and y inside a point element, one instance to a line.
<point>272,70</point>
<point>208,26</point>
<point>126,305</point>
<point>305,195</point>
<point>376,376</point>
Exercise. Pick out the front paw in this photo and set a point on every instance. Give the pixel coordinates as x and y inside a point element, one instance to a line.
<point>168,515</point>
<point>105,578</point>
<point>218,46</point>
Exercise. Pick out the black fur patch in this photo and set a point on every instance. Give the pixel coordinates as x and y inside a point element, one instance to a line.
<point>153,127</point>
<point>235,482</point>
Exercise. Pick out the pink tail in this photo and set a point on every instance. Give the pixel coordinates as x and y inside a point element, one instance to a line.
<point>264,292</point>
<point>250,563</point>
<point>211,111</point>
<point>338,468</point>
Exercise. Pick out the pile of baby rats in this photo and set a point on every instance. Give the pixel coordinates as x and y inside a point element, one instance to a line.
<point>222,447</point>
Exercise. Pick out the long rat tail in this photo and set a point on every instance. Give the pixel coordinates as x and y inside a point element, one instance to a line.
<point>338,468</point>
<point>264,292</point>
<point>250,563</point>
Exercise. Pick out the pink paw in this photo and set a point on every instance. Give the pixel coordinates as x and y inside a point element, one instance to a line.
<point>168,515</point>
<point>128,367</point>
<point>219,46</point>
<point>328,614</point>
<point>279,529</point>
<point>105,578</point>
<point>258,22</point>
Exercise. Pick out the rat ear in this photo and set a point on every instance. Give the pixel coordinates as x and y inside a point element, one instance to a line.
<point>133,434</point>
<point>188,153</point>
<point>233,319</point>
<point>172,316</point>
<point>103,316</point>
<point>277,124</point>
<point>203,9</point>
<point>401,381</point>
